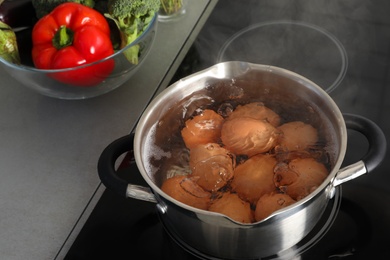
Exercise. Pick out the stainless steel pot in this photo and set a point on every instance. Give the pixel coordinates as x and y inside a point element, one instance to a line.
<point>215,235</point>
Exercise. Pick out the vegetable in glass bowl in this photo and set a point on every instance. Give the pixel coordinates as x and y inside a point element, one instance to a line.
<point>71,78</point>
<point>70,36</point>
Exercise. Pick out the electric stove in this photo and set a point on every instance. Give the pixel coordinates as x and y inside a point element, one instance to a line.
<point>343,46</point>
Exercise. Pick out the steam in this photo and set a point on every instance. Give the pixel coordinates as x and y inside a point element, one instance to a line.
<point>298,36</point>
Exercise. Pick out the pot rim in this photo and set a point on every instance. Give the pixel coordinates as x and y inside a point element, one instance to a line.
<point>217,71</point>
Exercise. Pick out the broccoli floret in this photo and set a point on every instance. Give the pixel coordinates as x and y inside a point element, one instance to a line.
<point>132,18</point>
<point>44,7</point>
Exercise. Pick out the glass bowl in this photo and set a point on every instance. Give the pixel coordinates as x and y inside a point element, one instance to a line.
<point>44,82</point>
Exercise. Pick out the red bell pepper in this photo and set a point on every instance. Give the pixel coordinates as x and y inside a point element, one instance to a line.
<point>73,35</point>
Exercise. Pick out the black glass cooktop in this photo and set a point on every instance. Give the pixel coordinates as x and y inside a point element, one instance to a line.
<point>344,46</point>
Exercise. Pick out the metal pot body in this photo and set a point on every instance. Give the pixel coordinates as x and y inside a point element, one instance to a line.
<point>282,90</point>
<point>218,236</point>
<point>214,234</point>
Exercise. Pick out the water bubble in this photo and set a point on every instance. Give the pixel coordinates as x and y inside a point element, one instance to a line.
<point>225,109</point>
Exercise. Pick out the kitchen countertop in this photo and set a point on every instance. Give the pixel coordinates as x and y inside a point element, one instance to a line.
<point>50,147</point>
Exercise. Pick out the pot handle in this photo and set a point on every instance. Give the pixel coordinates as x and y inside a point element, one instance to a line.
<point>376,150</point>
<point>109,177</point>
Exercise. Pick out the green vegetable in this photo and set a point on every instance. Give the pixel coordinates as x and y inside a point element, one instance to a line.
<point>132,18</point>
<point>171,6</point>
<point>8,45</point>
<point>44,7</point>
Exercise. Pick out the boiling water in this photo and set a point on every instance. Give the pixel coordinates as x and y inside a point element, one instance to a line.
<point>165,154</point>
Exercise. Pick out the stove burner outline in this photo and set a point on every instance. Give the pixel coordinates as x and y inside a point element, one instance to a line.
<point>333,39</point>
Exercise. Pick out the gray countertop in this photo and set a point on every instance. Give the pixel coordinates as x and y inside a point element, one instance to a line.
<point>50,147</point>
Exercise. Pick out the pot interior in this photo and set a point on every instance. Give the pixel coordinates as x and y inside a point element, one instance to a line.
<point>161,152</point>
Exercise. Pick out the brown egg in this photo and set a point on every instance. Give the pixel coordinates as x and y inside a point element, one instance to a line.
<point>202,129</point>
<point>297,136</point>
<point>248,136</point>
<point>185,190</point>
<point>203,151</point>
<point>300,177</point>
<point>256,110</point>
<point>254,177</point>
<point>212,164</point>
<point>269,203</point>
<point>232,206</point>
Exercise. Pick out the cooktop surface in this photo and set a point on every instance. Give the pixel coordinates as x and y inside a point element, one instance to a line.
<point>343,46</point>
